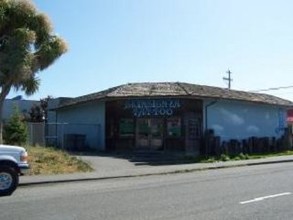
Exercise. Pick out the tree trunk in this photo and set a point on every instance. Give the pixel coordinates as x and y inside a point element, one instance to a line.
<point>4,92</point>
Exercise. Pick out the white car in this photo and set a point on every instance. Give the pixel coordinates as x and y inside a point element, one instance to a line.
<point>13,162</point>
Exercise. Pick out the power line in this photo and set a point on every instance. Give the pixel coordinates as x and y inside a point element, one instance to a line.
<point>273,88</point>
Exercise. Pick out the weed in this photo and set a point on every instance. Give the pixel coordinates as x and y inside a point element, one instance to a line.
<point>243,156</point>
<point>224,157</point>
<point>48,160</point>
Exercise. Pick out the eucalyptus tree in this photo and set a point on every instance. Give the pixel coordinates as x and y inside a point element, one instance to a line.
<point>27,46</point>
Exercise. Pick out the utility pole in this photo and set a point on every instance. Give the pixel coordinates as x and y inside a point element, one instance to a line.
<point>228,78</point>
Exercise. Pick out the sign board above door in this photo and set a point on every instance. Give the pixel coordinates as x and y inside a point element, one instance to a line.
<point>152,107</point>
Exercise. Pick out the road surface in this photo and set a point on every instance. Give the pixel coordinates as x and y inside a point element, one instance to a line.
<point>254,192</point>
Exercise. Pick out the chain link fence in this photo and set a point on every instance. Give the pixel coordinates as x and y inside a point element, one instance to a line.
<point>36,133</point>
<point>68,136</point>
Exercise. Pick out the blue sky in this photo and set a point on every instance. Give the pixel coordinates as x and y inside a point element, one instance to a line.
<point>112,42</point>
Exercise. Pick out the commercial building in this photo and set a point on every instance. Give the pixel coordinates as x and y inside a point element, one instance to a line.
<point>168,116</point>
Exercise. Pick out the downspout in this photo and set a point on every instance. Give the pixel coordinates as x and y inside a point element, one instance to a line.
<point>206,112</point>
<point>206,141</point>
<point>56,127</point>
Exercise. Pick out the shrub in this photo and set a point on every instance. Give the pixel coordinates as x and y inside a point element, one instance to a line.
<point>15,131</point>
<point>243,156</point>
<point>224,157</point>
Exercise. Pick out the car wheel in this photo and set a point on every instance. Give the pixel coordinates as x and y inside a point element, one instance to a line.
<point>8,180</point>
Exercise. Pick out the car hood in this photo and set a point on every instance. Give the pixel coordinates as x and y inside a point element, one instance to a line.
<point>9,148</point>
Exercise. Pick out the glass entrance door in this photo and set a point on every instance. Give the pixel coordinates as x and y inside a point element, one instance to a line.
<point>156,133</point>
<point>149,133</point>
<point>142,134</point>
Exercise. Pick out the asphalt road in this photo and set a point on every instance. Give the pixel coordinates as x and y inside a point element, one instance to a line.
<point>255,192</point>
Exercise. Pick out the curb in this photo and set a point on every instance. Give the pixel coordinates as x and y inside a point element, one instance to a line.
<point>45,182</point>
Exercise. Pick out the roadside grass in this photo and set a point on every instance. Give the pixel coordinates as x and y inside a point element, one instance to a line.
<point>241,156</point>
<point>49,160</point>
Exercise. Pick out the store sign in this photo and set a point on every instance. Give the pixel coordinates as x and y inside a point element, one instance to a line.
<point>152,107</point>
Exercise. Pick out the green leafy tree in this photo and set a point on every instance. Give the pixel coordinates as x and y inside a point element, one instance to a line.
<point>39,113</point>
<point>27,46</point>
<point>36,114</point>
<point>15,131</point>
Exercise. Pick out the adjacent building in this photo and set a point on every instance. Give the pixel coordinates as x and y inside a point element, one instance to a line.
<point>23,106</point>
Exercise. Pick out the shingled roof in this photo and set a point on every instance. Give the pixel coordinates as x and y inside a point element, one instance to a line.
<point>177,89</point>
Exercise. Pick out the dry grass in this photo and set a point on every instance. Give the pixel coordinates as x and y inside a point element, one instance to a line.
<point>47,160</point>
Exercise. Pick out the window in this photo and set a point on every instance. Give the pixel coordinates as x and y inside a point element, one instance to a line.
<point>194,127</point>
<point>126,127</point>
<point>174,127</point>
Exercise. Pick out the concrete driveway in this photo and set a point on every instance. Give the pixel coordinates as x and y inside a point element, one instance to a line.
<point>115,162</point>
<point>107,163</point>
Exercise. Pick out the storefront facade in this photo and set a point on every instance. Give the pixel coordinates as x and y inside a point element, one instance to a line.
<point>168,117</point>
<point>154,124</point>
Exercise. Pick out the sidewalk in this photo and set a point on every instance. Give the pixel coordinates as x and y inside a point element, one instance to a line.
<point>119,168</point>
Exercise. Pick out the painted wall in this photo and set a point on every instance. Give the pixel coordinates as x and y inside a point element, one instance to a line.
<point>85,119</point>
<point>53,103</point>
<point>241,120</point>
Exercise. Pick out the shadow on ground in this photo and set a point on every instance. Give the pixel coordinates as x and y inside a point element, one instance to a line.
<point>138,158</point>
